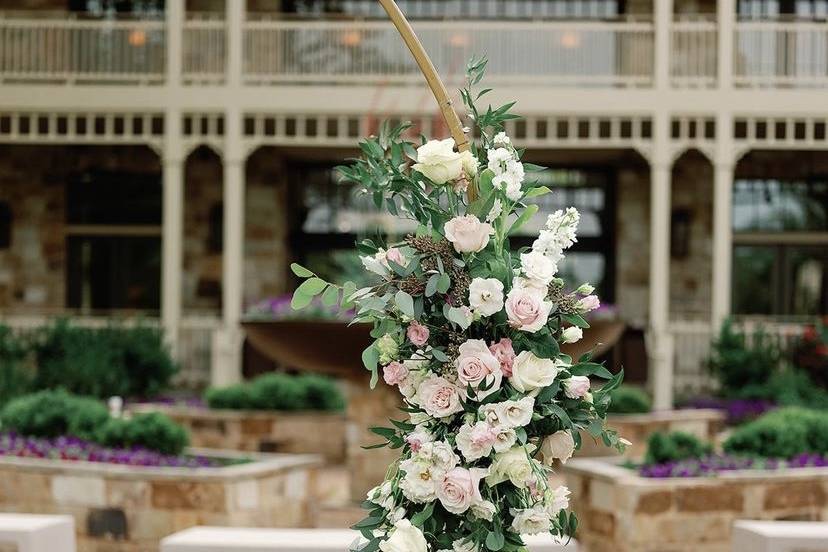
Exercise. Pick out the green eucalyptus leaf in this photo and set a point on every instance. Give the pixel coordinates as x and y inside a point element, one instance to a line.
<point>405,303</point>
<point>300,270</point>
<point>331,296</point>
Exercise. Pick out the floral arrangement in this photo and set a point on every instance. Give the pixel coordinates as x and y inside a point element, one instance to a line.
<point>469,331</point>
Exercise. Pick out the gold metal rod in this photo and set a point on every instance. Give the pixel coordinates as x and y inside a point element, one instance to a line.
<point>433,79</point>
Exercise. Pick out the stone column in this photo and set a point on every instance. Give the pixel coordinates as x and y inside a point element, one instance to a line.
<point>659,340</point>
<point>722,223</point>
<point>172,237</point>
<point>726,17</point>
<point>234,19</point>
<point>663,25</point>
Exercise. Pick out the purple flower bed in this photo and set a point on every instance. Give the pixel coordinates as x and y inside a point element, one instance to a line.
<point>737,410</point>
<point>74,449</point>
<point>715,464</point>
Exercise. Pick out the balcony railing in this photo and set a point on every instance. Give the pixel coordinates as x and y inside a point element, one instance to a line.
<point>559,53</point>
<point>781,54</point>
<point>552,52</point>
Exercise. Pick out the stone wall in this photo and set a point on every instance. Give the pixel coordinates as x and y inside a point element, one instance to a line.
<point>621,512</point>
<point>131,510</point>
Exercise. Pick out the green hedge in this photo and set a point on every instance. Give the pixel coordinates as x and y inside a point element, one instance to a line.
<point>674,447</point>
<point>279,392</point>
<point>15,380</point>
<point>129,361</point>
<point>739,362</point>
<point>52,413</point>
<point>629,400</point>
<point>783,433</point>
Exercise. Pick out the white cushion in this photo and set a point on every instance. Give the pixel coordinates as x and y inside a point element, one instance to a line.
<point>38,533</point>
<point>780,536</point>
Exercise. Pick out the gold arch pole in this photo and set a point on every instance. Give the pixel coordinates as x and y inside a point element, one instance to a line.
<point>433,79</point>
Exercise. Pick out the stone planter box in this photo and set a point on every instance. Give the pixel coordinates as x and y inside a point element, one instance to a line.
<point>131,509</point>
<point>637,428</point>
<point>622,512</point>
<point>260,431</point>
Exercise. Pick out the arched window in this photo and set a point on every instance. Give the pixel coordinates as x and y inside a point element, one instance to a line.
<point>215,238</point>
<point>5,225</point>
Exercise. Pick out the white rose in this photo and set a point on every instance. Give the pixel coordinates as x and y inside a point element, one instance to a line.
<point>531,373</point>
<point>516,413</point>
<point>576,387</point>
<point>530,521</point>
<point>469,162</point>
<point>558,446</point>
<point>486,296</point>
<point>475,441</point>
<point>438,397</point>
<point>477,365</point>
<point>538,267</point>
<point>418,483</point>
<point>572,334</point>
<point>484,510</point>
<point>505,438</point>
<point>437,160</point>
<point>556,500</point>
<point>527,309</point>
<point>513,465</point>
<point>468,234</point>
<point>439,455</point>
<point>405,538</point>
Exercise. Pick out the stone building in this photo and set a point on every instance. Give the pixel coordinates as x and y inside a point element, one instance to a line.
<point>170,161</point>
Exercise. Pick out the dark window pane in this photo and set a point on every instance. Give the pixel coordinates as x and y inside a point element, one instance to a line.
<point>776,206</point>
<point>754,279</point>
<point>114,198</point>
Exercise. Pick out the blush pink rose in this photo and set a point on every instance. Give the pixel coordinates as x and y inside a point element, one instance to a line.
<point>468,234</point>
<point>417,334</point>
<point>476,364</point>
<point>588,303</point>
<point>527,309</point>
<point>459,489</point>
<point>394,373</point>
<point>394,254</point>
<point>576,387</point>
<point>505,354</point>
<point>438,397</point>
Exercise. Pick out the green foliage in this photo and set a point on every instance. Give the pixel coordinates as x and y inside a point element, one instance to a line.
<point>629,400</point>
<point>279,392</point>
<point>739,361</point>
<point>153,431</point>
<point>783,433</point>
<point>788,387</point>
<point>54,413</point>
<point>675,446</point>
<point>101,362</point>
<point>14,378</point>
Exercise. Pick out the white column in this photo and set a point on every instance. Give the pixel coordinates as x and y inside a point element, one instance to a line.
<point>174,16</point>
<point>724,163</point>
<point>172,224</point>
<point>726,16</point>
<point>235,14</point>
<point>659,339</point>
<point>227,345</point>
<point>663,24</point>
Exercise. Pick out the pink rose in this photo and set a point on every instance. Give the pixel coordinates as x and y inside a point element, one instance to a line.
<point>476,364</point>
<point>438,397</point>
<point>576,387</point>
<point>394,254</point>
<point>417,334</point>
<point>468,234</point>
<point>588,303</point>
<point>527,310</point>
<point>459,489</point>
<point>394,373</point>
<point>505,354</point>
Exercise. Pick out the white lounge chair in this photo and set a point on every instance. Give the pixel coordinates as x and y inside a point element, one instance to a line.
<point>37,533</point>
<point>780,536</point>
<point>229,539</point>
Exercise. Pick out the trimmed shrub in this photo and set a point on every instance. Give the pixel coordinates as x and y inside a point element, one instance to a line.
<point>789,387</point>
<point>674,447</point>
<point>279,391</point>
<point>101,362</point>
<point>152,431</point>
<point>783,433</point>
<point>14,379</point>
<point>54,413</point>
<point>627,399</point>
<point>738,364</point>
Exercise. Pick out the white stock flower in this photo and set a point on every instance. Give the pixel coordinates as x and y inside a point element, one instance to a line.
<point>509,184</point>
<point>556,500</point>
<point>501,139</point>
<point>558,446</point>
<point>531,521</point>
<point>531,373</point>
<point>515,169</point>
<point>497,210</point>
<point>538,268</point>
<point>514,465</point>
<point>405,538</point>
<point>572,334</point>
<point>469,162</point>
<point>437,160</point>
<point>497,159</point>
<point>486,296</point>
<point>519,282</point>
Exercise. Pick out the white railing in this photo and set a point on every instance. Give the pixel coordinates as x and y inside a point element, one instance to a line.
<point>781,54</point>
<point>693,53</point>
<point>74,50</point>
<point>205,50</point>
<point>692,340</point>
<point>550,52</point>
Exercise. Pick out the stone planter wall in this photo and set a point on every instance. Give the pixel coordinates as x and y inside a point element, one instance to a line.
<point>129,509</point>
<point>261,431</point>
<point>637,428</point>
<point>622,512</point>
